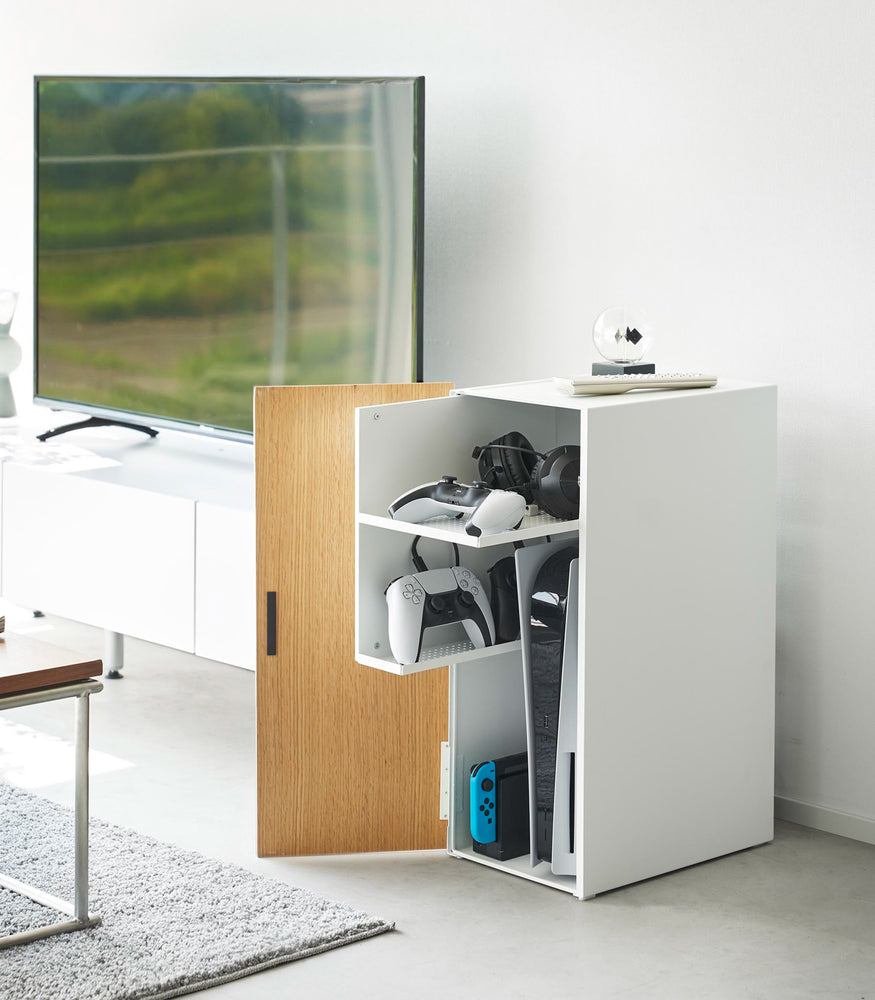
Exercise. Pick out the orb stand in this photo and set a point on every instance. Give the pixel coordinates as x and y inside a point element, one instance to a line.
<point>622,336</point>
<point>612,368</point>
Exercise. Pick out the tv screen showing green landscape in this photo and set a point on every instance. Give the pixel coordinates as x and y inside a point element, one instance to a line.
<point>196,238</point>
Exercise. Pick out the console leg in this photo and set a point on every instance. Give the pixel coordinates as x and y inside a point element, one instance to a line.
<point>113,653</point>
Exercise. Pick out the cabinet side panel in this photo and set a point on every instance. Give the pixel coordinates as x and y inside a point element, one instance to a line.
<point>348,757</point>
<point>679,633</point>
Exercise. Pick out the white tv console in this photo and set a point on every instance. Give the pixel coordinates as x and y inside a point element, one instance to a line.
<point>155,540</point>
<point>675,612</point>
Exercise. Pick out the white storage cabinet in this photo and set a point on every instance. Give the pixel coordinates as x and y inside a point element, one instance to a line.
<point>675,612</point>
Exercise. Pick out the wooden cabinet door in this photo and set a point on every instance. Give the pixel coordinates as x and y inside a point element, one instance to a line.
<point>348,756</point>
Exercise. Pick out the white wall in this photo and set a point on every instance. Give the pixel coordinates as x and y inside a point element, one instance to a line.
<point>712,162</point>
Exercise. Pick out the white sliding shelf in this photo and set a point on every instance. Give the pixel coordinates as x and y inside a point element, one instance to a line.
<point>376,653</point>
<point>450,529</point>
<point>438,656</point>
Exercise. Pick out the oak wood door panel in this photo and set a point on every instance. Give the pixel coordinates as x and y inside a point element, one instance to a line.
<point>348,756</point>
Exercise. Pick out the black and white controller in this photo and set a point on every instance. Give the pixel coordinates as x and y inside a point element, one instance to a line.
<point>491,511</point>
<point>421,601</point>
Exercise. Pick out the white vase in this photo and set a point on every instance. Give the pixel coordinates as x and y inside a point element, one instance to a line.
<point>10,352</point>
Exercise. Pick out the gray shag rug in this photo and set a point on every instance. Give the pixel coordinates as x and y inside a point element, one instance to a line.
<point>173,921</point>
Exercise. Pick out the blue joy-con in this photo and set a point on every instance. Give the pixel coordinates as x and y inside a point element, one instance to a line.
<point>484,795</point>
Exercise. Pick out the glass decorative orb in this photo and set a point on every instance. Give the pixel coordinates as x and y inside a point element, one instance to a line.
<point>622,335</point>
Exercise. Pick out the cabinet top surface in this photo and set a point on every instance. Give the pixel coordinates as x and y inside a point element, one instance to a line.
<point>543,392</point>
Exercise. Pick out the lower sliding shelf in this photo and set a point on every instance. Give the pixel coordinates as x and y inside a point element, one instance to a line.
<point>437,656</point>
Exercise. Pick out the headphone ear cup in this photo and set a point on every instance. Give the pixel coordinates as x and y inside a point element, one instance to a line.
<point>518,465</point>
<point>503,469</point>
<point>556,482</point>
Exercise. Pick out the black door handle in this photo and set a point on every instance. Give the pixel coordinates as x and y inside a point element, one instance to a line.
<point>271,623</point>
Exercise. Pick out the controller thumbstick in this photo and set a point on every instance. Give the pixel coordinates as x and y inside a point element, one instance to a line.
<point>487,785</point>
<point>436,604</point>
<point>467,598</point>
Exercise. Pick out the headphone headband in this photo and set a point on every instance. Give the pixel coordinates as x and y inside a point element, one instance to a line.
<point>419,563</point>
<point>481,448</point>
<point>550,480</point>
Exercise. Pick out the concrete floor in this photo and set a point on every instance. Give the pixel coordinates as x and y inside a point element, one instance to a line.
<point>793,919</point>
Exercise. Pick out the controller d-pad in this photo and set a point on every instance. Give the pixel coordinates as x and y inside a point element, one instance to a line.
<point>412,593</point>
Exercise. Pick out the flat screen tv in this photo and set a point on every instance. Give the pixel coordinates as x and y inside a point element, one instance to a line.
<point>198,237</point>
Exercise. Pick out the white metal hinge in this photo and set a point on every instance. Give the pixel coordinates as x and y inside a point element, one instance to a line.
<point>445,781</point>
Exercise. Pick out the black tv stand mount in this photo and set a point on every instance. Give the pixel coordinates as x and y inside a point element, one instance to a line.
<point>96,422</point>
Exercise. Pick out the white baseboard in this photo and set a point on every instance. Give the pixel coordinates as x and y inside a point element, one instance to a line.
<point>828,820</point>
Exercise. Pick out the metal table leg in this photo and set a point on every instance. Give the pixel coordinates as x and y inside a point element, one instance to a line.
<point>80,877</point>
<point>78,910</point>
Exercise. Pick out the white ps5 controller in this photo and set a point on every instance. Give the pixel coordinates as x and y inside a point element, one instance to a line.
<point>490,511</point>
<point>435,597</point>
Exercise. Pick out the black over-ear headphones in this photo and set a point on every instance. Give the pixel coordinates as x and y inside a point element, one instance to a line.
<point>550,480</point>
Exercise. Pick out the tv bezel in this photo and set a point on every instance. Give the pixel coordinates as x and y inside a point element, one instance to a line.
<point>191,426</point>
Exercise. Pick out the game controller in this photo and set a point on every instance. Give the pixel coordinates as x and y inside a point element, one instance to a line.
<point>504,601</point>
<point>484,813</point>
<point>491,511</point>
<point>498,801</point>
<point>425,600</point>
